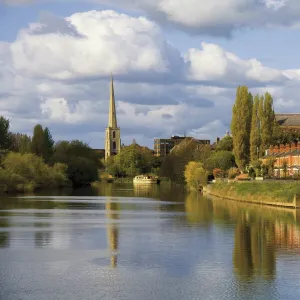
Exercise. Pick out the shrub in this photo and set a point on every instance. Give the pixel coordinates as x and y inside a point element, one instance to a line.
<point>28,171</point>
<point>195,175</point>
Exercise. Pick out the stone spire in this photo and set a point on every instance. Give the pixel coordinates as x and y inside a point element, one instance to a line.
<point>112,119</point>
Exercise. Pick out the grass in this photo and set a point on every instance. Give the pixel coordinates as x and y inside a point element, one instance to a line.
<point>258,191</point>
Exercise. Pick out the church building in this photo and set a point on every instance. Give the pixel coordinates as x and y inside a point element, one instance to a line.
<point>112,134</point>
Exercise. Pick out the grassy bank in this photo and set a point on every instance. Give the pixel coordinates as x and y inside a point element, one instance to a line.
<point>263,192</point>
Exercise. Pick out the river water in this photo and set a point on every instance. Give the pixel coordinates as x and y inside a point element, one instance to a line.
<point>160,242</point>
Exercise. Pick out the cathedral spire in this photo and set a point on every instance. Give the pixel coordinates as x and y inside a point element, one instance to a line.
<point>112,119</point>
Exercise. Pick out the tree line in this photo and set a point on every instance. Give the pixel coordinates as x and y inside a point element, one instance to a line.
<point>40,162</point>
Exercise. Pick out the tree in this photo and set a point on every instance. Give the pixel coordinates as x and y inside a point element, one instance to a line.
<point>223,160</point>
<point>225,144</point>
<point>195,175</point>
<point>21,143</point>
<point>267,122</point>
<point>5,136</point>
<point>255,130</point>
<point>48,144</point>
<point>38,141</point>
<point>240,124</point>
<point>82,162</point>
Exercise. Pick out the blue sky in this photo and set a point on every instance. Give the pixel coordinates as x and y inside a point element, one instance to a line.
<point>177,71</point>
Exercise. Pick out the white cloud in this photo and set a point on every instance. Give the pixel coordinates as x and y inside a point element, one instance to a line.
<point>215,64</point>
<point>100,42</point>
<point>56,74</point>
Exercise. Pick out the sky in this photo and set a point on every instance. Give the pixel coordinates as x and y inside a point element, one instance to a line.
<point>176,64</point>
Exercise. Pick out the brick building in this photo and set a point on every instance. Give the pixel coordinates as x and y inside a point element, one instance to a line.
<point>288,154</point>
<point>289,122</point>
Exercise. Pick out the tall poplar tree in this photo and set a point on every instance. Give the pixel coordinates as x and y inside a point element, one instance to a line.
<point>267,122</point>
<point>38,141</point>
<point>240,126</point>
<point>255,131</point>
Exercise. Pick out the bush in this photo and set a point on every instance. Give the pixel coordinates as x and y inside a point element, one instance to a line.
<point>28,172</point>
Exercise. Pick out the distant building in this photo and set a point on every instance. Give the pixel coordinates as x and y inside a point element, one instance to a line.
<point>112,134</point>
<point>163,147</point>
<point>289,122</point>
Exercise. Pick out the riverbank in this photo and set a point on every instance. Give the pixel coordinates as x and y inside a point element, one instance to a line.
<point>267,193</point>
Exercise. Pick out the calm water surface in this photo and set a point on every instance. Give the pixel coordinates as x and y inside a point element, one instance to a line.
<point>123,242</point>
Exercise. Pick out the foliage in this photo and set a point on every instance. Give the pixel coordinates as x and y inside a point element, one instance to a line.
<point>5,136</point>
<point>195,175</point>
<point>233,172</point>
<point>133,160</point>
<point>28,170</point>
<point>225,144</point>
<point>255,131</point>
<point>240,124</point>
<point>174,164</point>
<point>267,122</point>
<point>223,160</point>
<point>48,144</point>
<point>82,162</point>
<point>38,141</point>
<point>21,143</point>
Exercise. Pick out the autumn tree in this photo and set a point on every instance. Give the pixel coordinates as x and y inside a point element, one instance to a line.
<point>240,125</point>
<point>195,175</point>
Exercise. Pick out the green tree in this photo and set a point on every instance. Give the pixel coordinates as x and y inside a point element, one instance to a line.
<point>223,160</point>
<point>225,144</point>
<point>240,124</point>
<point>82,162</point>
<point>38,141</point>
<point>48,144</point>
<point>267,122</point>
<point>21,143</point>
<point>255,130</point>
<point>5,136</point>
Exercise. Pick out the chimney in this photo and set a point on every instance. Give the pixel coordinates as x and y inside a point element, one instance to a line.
<point>271,150</point>
<point>276,149</point>
<point>287,148</point>
<point>282,148</point>
<point>294,147</point>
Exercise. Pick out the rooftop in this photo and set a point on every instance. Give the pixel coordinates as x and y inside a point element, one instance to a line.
<point>288,119</point>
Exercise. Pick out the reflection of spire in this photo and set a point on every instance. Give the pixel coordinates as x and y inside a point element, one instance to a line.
<point>112,231</point>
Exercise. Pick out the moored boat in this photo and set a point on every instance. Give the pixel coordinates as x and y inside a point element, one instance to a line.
<point>146,179</point>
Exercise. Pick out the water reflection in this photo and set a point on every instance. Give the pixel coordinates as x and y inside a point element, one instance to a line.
<point>112,213</point>
<point>158,232</point>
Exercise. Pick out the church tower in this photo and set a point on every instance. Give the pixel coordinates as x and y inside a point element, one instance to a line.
<point>112,134</point>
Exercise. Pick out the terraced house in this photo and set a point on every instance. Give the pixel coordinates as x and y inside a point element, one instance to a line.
<point>286,159</point>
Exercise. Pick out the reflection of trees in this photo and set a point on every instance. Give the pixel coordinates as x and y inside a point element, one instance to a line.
<point>4,236</point>
<point>112,213</point>
<point>198,209</point>
<point>254,248</point>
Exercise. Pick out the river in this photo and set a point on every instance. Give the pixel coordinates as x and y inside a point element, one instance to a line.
<point>117,242</point>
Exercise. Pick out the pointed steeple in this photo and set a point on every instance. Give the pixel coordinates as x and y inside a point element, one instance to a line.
<point>112,119</point>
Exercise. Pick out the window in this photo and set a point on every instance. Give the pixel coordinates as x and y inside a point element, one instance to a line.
<point>114,134</point>
<point>114,145</point>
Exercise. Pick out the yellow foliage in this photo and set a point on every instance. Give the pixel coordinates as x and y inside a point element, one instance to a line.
<point>195,175</point>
